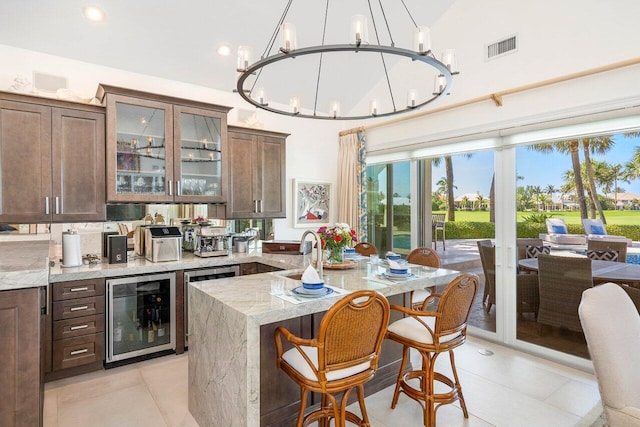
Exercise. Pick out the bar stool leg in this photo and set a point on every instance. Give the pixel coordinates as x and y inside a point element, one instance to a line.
<point>303,405</point>
<point>403,364</point>
<point>463,405</point>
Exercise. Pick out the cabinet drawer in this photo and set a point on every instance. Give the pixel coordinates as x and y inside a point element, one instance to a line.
<point>78,308</point>
<point>70,328</point>
<point>77,289</point>
<point>72,352</point>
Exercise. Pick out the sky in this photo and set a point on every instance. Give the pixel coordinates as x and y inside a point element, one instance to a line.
<point>473,174</point>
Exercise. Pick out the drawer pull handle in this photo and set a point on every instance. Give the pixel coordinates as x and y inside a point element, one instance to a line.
<point>84,288</point>
<point>76,352</point>
<point>80,307</point>
<point>75,328</point>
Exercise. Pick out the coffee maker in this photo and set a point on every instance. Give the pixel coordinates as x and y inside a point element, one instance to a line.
<point>211,241</point>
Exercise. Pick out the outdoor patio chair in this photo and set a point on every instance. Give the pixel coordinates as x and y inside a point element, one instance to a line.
<point>613,338</point>
<point>619,246</point>
<point>596,230</point>
<point>527,296</point>
<point>429,258</point>
<point>557,233</point>
<point>485,293</point>
<point>522,244</point>
<point>438,225</point>
<point>561,281</point>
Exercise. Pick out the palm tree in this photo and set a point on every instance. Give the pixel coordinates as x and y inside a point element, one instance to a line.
<point>632,168</point>
<point>448,165</point>
<point>464,202</point>
<point>480,200</point>
<point>550,190</point>
<point>599,145</point>
<point>572,148</point>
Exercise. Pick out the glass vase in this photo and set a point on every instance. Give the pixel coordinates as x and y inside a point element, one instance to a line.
<point>334,256</point>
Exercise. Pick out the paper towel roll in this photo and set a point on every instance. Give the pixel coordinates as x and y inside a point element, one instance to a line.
<point>71,252</point>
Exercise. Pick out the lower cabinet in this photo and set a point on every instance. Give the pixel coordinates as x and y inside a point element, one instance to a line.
<point>21,385</point>
<point>77,328</point>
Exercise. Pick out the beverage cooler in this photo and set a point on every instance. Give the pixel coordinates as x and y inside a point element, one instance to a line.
<point>141,318</point>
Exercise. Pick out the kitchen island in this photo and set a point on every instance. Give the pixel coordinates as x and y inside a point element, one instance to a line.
<point>231,324</point>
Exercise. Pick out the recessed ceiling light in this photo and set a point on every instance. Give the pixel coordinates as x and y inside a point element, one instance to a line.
<point>93,13</point>
<point>223,50</point>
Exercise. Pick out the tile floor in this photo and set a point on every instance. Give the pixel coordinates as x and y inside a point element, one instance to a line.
<point>508,389</point>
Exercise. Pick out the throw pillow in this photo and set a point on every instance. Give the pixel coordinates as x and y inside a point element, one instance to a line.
<point>558,229</point>
<point>602,255</point>
<point>534,251</point>
<point>597,229</point>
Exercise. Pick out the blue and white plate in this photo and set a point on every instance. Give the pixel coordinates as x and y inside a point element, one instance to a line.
<point>389,276</point>
<point>313,286</point>
<point>311,293</point>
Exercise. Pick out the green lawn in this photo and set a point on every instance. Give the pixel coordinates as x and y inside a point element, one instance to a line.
<point>612,217</point>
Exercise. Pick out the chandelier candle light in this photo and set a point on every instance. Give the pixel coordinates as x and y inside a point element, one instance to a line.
<point>335,239</point>
<point>359,43</point>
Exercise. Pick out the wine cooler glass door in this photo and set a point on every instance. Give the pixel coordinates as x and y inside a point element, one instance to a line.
<point>141,315</point>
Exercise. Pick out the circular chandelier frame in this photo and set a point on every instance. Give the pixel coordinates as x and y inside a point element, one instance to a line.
<point>426,58</point>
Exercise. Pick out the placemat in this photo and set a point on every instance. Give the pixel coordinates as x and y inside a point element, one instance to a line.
<point>295,299</point>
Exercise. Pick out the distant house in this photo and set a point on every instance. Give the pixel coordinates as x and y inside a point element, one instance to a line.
<point>627,201</point>
<point>468,201</point>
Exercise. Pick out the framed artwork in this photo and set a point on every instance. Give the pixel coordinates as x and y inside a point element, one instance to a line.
<point>311,203</point>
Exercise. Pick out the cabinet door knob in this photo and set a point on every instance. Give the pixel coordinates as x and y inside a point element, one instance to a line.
<point>76,352</point>
<point>80,307</point>
<point>75,328</point>
<point>57,205</point>
<point>80,289</point>
<point>178,193</point>
<point>170,186</point>
<point>46,205</point>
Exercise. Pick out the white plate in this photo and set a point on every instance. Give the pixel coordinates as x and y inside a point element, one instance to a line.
<point>311,293</point>
<point>395,277</point>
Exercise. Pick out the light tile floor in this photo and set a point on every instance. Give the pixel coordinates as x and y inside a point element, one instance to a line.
<point>509,388</point>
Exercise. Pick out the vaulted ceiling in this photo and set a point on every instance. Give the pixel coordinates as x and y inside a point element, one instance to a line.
<point>178,40</point>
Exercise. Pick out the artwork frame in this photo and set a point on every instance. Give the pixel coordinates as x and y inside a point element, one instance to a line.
<point>312,200</point>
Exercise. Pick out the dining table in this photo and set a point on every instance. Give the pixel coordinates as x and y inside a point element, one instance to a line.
<point>602,271</point>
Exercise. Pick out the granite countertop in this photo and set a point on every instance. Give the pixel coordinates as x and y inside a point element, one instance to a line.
<point>251,295</point>
<point>139,265</point>
<point>24,264</point>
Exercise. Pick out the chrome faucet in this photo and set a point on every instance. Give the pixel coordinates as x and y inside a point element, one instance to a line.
<point>318,248</point>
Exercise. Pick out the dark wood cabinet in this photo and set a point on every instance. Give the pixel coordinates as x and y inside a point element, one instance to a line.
<point>257,173</point>
<point>21,386</point>
<point>51,160</point>
<point>76,332</point>
<point>164,149</point>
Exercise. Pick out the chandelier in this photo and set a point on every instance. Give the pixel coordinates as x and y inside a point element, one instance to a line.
<point>419,62</point>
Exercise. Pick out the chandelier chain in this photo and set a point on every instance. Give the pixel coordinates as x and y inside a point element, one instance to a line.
<point>410,16</point>
<point>324,32</point>
<point>384,64</point>
<point>384,15</point>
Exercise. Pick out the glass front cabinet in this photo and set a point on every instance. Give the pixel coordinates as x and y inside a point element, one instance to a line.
<point>164,149</point>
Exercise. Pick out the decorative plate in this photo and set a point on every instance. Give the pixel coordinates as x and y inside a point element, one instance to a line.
<point>311,293</point>
<point>345,265</point>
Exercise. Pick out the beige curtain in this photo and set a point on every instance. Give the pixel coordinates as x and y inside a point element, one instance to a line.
<point>351,183</point>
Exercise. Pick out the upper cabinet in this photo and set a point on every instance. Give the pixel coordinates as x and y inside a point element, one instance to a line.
<point>257,173</point>
<point>162,149</point>
<point>51,160</point>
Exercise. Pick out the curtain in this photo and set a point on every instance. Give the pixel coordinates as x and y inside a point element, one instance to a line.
<point>352,179</point>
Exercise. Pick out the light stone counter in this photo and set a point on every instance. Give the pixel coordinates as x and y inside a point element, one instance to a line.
<point>225,316</point>
<point>24,264</point>
<point>140,265</point>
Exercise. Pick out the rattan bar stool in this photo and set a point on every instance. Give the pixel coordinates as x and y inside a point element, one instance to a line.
<point>433,333</point>
<point>429,258</point>
<point>366,248</point>
<point>344,356</point>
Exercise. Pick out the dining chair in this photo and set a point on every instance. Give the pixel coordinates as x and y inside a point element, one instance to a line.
<point>438,225</point>
<point>485,242</point>
<point>561,281</point>
<point>427,257</point>
<point>523,242</point>
<point>611,327</point>
<point>527,296</point>
<point>344,356</point>
<point>432,333</point>
<point>365,248</point>
<point>619,246</point>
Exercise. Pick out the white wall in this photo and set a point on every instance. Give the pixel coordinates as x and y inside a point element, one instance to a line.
<point>312,148</point>
<point>556,38</point>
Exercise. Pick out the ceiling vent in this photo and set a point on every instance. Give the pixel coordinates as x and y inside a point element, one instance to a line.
<point>502,47</point>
